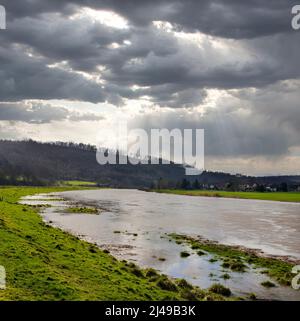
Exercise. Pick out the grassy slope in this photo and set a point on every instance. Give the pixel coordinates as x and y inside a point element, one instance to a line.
<point>276,196</point>
<point>44,263</point>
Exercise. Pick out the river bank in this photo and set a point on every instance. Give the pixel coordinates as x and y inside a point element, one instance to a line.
<point>135,226</point>
<point>274,196</point>
<point>46,263</point>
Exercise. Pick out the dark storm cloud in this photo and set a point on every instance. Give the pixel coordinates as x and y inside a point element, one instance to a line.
<point>231,19</point>
<point>172,72</point>
<point>26,8</point>
<point>39,113</point>
<point>26,77</point>
<point>238,129</point>
<point>79,41</point>
<point>190,68</point>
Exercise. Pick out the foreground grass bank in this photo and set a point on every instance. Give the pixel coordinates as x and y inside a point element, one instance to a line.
<point>44,263</point>
<point>274,196</point>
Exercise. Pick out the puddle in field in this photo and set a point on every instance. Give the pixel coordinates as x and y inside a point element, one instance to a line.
<point>133,226</point>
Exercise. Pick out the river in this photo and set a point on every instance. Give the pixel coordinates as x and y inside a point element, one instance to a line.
<point>133,226</point>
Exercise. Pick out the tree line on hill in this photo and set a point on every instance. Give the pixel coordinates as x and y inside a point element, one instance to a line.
<point>34,163</point>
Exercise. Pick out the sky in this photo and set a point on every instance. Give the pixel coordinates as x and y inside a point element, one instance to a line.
<point>69,69</point>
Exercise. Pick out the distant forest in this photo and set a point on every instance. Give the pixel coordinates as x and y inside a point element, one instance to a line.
<point>34,163</point>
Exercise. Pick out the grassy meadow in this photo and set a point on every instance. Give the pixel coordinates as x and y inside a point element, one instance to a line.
<point>266,196</point>
<point>78,183</point>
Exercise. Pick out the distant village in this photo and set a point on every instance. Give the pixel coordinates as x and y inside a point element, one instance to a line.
<point>228,186</point>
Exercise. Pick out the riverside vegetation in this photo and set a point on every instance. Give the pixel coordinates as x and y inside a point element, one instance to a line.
<point>274,196</point>
<point>46,263</point>
<point>238,259</point>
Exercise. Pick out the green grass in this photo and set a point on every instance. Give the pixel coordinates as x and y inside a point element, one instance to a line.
<point>78,183</point>
<point>268,284</point>
<point>237,259</point>
<point>274,196</point>
<point>45,263</point>
<point>220,289</point>
<point>82,210</point>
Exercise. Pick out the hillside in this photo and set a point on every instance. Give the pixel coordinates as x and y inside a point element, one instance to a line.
<point>30,162</point>
<point>67,161</point>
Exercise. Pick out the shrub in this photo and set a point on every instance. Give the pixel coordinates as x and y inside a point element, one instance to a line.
<point>182,283</point>
<point>220,289</point>
<point>184,254</point>
<point>165,284</point>
<point>268,284</point>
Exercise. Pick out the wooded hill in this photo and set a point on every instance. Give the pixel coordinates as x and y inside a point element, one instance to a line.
<point>35,163</point>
